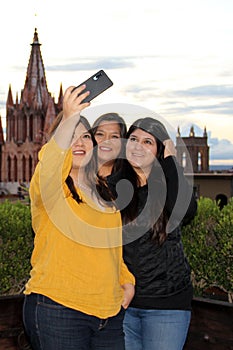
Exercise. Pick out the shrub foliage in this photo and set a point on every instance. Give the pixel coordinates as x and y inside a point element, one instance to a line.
<point>208,243</point>
<point>16,243</point>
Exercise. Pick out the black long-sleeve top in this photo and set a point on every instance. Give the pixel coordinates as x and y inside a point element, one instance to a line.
<point>162,272</point>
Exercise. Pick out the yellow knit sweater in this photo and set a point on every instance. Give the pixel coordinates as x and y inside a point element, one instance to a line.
<point>77,257</point>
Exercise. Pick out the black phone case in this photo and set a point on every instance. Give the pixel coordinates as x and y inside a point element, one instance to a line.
<point>96,84</point>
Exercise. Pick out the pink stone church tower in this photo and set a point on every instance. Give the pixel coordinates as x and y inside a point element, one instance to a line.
<point>27,122</point>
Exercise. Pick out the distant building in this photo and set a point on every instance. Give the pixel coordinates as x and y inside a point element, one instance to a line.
<point>217,186</point>
<point>193,152</point>
<point>193,155</point>
<point>27,122</point>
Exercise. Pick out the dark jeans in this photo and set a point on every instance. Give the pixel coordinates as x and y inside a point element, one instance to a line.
<point>51,326</point>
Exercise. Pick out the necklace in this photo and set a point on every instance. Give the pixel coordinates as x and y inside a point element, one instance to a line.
<point>84,187</point>
<point>92,195</point>
<point>89,191</point>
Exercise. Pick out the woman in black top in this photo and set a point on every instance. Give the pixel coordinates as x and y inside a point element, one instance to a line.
<point>159,314</point>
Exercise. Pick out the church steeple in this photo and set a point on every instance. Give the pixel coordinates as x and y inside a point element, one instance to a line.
<point>10,115</point>
<point>35,92</point>
<point>9,102</point>
<point>27,121</point>
<point>60,98</point>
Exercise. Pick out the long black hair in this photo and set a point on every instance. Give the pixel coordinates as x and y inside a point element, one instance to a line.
<point>156,184</point>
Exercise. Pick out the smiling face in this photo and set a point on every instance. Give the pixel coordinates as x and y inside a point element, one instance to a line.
<point>141,150</point>
<point>108,137</point>
<point>81,146</point>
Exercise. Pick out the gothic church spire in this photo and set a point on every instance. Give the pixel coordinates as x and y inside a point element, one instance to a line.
<point>35,93</point>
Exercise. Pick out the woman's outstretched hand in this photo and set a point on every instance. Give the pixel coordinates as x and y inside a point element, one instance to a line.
<point>72,101</point>
<point>72,106</point>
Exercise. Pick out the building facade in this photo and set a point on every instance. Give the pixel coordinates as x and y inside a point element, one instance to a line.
<point>193,156</point>
<point>28,119</point>
<point>193,152</point>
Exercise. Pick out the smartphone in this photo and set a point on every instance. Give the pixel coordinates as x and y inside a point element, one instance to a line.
<point>96,84</point>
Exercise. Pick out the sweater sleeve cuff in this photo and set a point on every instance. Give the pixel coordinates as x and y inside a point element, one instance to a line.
<point>126,276</point>
<point>169,165</point>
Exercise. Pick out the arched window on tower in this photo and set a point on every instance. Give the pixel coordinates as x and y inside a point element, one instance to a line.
<point>30,168</point>
<point>24,168</point>
<point>9,168</point>
<point>15,175</point>
<point>199,161</point>
<point>183,160</point>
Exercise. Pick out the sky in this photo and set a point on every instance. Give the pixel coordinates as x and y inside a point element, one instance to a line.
<point>174,58</point>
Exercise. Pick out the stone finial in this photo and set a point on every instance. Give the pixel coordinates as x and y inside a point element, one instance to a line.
<point>191,134</point>
<point>205,133</point>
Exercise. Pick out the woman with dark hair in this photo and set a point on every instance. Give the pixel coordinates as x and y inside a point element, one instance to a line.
<point>79,284</point>
<point>110,131</point>
<point>159,314</point>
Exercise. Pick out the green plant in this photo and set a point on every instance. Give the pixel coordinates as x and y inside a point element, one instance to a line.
<point>208,243</point>
<point>16,244</point>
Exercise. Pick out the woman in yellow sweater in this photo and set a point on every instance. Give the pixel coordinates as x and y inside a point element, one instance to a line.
<point>79,284</point>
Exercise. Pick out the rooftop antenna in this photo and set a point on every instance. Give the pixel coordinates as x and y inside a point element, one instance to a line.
<point>35,10</point>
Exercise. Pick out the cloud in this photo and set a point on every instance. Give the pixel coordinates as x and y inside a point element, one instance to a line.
<point>94,63</point>
<point>141,91</point>
<point>223,108</point>
<point>211,91</point>
<point>184,102</point>
<point>181,107</point>
<point>85,64</point>
<point>220,149</point>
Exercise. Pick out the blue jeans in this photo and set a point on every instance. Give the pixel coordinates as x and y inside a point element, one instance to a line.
<point>155,329</point>
<point>51,326</point>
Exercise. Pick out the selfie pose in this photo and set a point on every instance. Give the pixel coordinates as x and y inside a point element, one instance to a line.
<point>79,286</point>
<point>159,314</point>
